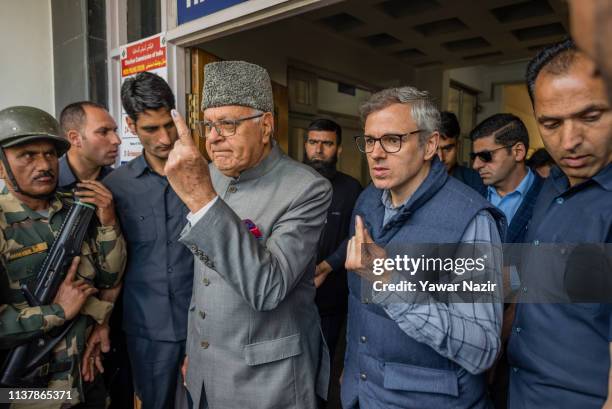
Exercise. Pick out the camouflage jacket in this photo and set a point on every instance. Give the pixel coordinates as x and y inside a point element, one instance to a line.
<point>25,238</point>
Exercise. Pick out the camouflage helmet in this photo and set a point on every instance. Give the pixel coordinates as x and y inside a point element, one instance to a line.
<point>22,124</point>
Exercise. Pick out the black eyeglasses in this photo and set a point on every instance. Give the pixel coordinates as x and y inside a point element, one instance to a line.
<point>487,156</point>
<point>391,143</point>
<point>225,127</point>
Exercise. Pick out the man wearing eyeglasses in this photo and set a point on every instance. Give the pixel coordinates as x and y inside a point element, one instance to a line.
<point>500,144</point>
<point>401,353</point>
<point>450,133</point>
<point>255,219</point>
<point>159,273</point>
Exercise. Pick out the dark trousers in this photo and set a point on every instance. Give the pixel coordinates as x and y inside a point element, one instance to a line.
<point>155,368</point>
<point>95,394</point>
<point>331,326</point>
<point>117,371</point>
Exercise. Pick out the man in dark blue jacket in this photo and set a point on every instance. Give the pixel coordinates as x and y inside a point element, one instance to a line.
<point>401,353</point>
<point>560,352</point>
<point>159,274</point>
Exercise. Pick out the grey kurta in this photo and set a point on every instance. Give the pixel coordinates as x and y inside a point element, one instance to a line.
<point>254,337</point>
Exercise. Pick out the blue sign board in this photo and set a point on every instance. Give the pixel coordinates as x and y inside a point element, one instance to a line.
<point>192,9</point>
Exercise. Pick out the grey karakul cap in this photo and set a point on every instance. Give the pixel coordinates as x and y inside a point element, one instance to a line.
<point>237,83</point>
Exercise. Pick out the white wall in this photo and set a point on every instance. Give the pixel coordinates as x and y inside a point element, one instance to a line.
<point>488,80</point>
<point>26,49</point>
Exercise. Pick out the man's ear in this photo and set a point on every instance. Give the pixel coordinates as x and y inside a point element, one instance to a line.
<point>339,151</point>
<point>131,124</point>
<point>74,137</point>
<point>267,122</point>
<point>520,152</point>
<point>431,145</point>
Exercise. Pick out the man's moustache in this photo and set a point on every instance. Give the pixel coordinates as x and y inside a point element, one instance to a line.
<point>45,174</point>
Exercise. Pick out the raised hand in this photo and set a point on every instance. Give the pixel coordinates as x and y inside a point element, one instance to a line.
<point>362,251</point>
<point>95,193</point>
<point>187,170</point>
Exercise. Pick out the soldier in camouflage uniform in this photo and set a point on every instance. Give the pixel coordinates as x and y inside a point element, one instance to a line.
<point>31,214</point>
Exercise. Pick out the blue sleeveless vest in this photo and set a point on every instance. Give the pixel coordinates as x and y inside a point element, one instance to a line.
<point>400,372</point>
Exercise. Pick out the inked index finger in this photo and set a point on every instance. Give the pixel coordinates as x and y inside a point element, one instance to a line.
<point>184,133</point>
<point>359,230</point>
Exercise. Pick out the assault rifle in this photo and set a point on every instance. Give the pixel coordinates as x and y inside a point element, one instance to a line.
<point>26,365</point>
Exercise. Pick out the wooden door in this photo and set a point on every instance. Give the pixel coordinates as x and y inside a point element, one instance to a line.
<point>199,58</point>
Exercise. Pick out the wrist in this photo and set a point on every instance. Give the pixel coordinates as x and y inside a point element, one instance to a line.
<point>197,202</point>
<point>109,223</point>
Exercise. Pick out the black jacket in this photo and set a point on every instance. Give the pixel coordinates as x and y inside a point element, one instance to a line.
<point>332,295</point>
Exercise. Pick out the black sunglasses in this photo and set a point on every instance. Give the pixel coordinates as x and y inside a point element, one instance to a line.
<point>487,156</point>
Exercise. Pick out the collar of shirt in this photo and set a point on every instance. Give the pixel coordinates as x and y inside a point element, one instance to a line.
<point>385,198</point>
<point>519,192</point>
<point>510,203</point>
<point>262,167</point>
<point>66,175</point>
<point>390,210</point>
<point>561,182</point>
<point>139,165</point>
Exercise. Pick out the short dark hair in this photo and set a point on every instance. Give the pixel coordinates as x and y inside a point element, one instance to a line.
<point>73,116</point>
<point>323,124</point>
<point>507,130</point>
<point>556,58</point>
<point>145,91</point>
<point>541,157</point>
<point>449,125</point>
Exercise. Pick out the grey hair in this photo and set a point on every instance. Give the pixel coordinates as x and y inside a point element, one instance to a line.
<point>255,111</point>
<point>423,111</point>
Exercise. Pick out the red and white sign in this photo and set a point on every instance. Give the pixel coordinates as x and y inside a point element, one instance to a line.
<point>148,54</point>
<point>144,55</point>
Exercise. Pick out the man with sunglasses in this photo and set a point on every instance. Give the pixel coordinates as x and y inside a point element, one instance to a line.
<point>402,353</point>
<point>560,352</point>
<point>255,220</point>
<point>159,273</point>
<point>450,134</point>
<point>500,144</point>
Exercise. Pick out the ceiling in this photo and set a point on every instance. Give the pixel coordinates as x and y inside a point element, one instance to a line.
<point>446,33</point>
